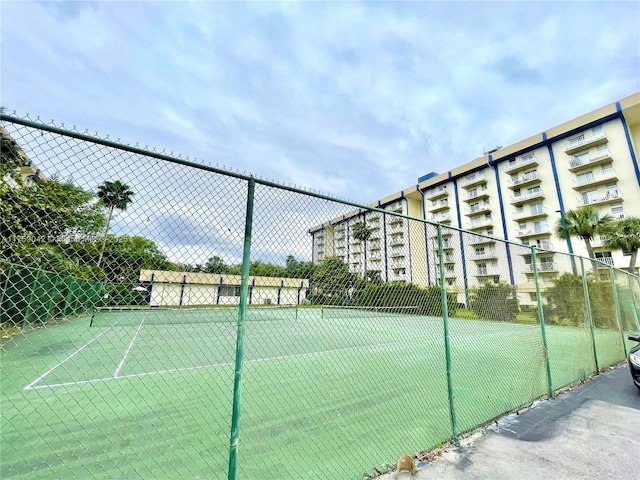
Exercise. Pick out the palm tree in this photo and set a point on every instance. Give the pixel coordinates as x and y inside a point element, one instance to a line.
<point>624,235</point>
<point>361,232</point>
<point>585,223</point>
<point>113,195</point>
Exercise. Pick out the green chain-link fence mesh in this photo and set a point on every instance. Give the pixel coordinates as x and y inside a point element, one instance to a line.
<point>163,318</point>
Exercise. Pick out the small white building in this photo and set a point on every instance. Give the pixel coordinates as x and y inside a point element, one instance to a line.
<point>166,288</point>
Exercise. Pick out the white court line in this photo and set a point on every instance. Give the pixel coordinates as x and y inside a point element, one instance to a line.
<point>115,375</point>
<point>215,365</point>
<point>31,385</point>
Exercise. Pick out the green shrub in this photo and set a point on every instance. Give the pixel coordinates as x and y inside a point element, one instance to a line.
<point>494,301</point>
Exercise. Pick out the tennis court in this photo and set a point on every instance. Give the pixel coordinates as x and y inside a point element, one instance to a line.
<point>148,393</point>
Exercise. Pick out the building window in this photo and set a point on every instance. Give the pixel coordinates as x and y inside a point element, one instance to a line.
<point>604,257</point>
<point>617,209</point>
<point>577,139</point>
<point>487,216</point>
<point>496,279</point>
<point>490,231</point>
<point>476,221</point>
<point>589,197</point>
<point>484,187</point>
<point>473,193</point>
<point>540,226</point>
<point>585,177</point>
<point>537,208</point>
<point>597,130</point>
<point>230,290</point>
<point>607,168</point>
<point>532,190</point>
<point>522,225</point>
<point>520,209</point>
<point>475,207</point>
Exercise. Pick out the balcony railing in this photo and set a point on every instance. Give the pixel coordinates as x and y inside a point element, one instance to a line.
<point>542,267</point>
<point>484,222</point>
<point>397,241</point>
<point>477,239</point>
<point>577,162</point>
<point>436,192</point>
<point>478,209</point>
<point>489,253</point>
<point>487,271</point>
<point>610,195</point>
<point>527,213</point>
<point>583,140</point>
<point>533,231</point>
<point>595,178</point>
<point>527,196</point>
<point>521,163</point>
<point>607,261</point>
<point>473,179</point>
<point>441,217</point>
<point>530,177</point>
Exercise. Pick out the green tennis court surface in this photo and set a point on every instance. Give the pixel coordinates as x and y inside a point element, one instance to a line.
<point>139,395</point>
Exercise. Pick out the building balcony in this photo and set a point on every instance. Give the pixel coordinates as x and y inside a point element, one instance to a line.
<point>479,240</point>
<point>610,196</point>
<point>441,217</point>
<point>449,272</point>
<point>487,272</point>
<point>445,246</point>
<point>529,213</point>
<point>436,192</point>
<point>394,220</point>
<point>483,255</point>
<point>471,197</point>
<point>448,259</point>
<point>396,241</point>
<point>397,253</point>
<point>477,210</point>
<point>374,246</point>
<point>439,206</point>
<point>373,217</point>
<point>605,262</point>
<point>374,227</point>
<point>528,179</point>
<point>482,223</point>
<point>533,232</point>
<point>539,244</point>
<point>523,162</point>
<point>584,140</point>
<point>598,178</point>
<point>474,179</point>
<point>577,163</point>
<point>375,255</point>
<point>524,197</point>
<point>395,207</point>
<point>396,227</point>
<point>542,267</point>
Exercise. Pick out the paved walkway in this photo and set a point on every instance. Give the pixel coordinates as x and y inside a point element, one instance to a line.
<point>592,432</point>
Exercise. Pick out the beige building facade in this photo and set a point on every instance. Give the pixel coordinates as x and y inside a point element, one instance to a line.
<point>518,193</point>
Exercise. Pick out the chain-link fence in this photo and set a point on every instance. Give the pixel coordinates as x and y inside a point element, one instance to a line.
<point>163,318</point>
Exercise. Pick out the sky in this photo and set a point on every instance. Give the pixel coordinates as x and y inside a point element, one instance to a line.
<point>352,99</point>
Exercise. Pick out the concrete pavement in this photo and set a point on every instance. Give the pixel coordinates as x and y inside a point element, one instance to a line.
<point>591,432</point>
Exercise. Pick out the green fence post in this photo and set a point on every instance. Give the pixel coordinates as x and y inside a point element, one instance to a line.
<point>633,299</point>
<point>447,340</point>
<point>541,320</point>
<point>242,316</point>
<point>587,303</point>
<point>618,311</point>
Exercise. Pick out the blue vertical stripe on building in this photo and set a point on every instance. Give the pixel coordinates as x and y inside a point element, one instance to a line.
<point>627,135</point>
<point>504,220</point>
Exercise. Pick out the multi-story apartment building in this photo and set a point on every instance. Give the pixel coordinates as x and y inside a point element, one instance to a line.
<point>519,193</point>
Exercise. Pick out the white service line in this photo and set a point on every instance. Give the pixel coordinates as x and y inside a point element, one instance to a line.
<point>115,375</point>
<point>31,385</point>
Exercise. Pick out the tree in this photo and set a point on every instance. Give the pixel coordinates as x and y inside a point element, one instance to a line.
<point>216,265</point>
<point>494,301</point>
<point>361,232</point>
<point>624,235</point>
<point>332,278</point>
<point>46,213</point>
<point>113,195</point>
<point>11,155</point>
<point>585,223</point>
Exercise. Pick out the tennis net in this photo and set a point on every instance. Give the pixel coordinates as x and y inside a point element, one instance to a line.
<point>341,311</point>
<point>131,316</point>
